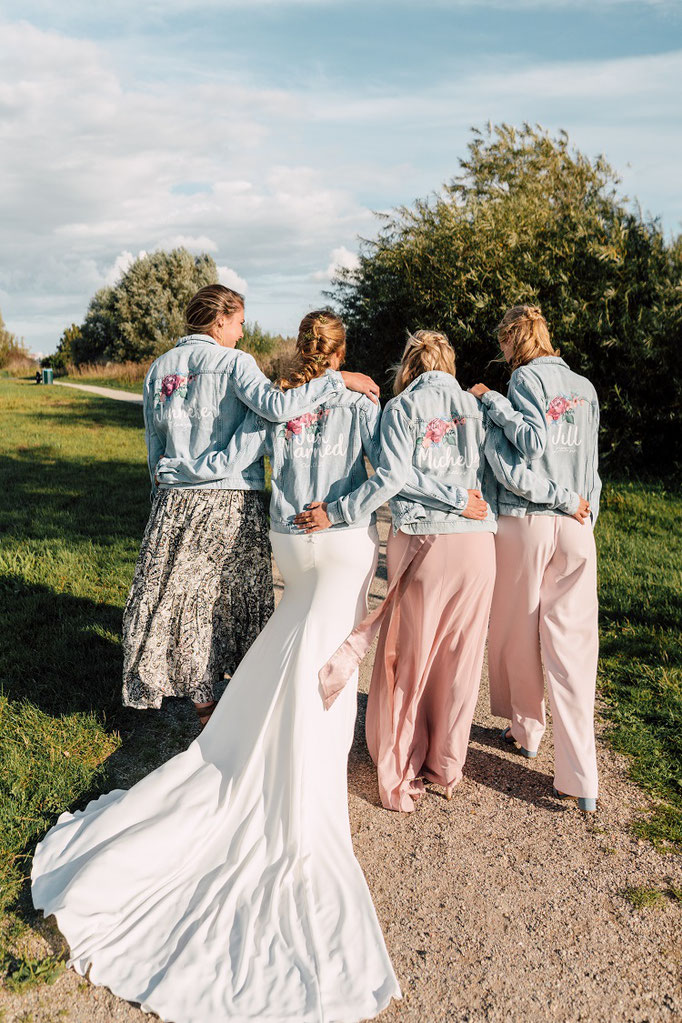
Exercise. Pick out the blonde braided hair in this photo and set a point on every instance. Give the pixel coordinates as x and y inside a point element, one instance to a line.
<point>321,334</point>
<point>525,328</point>
<point>426,350</point>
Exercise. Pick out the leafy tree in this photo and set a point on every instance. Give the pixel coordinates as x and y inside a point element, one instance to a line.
<point>259,342</point>
<point>529,219</point>
<point>98,330</point>
<point>143,315</point>
<point>66,349</point>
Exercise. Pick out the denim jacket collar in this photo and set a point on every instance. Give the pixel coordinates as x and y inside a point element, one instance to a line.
<point>547,360</point>
<point>193,339</point>
<point>432,378</point>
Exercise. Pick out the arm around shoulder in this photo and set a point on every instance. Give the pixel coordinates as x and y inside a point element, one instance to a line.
<point>265,399</point>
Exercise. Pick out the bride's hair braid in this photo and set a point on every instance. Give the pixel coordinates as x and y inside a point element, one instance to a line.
<point>321,335</point>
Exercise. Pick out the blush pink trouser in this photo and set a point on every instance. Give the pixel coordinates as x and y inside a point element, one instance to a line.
<point>544,610</point>
<point>427,669</point>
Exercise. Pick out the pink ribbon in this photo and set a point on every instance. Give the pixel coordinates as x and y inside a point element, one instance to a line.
<point>341,665</point>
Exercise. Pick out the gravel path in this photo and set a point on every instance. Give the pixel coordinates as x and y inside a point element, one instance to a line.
<point>502,905</point>
<point>103,392</point>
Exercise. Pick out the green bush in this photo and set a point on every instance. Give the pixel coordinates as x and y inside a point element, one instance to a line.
<point>529,219</point>
<point>144,314</point>
<point>65,354</point>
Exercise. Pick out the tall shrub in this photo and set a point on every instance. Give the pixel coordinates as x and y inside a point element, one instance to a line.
<point>529,219</point>
<point>143,315</point>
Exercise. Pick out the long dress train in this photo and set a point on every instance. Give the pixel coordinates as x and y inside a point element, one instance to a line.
<point>223,886</point>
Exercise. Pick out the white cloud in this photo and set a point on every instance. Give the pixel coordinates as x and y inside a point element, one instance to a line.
<point>95,168</point>
<point>116,271</point>
<point>341,259</point>
<point>196,244</point>
<point>231,279</point>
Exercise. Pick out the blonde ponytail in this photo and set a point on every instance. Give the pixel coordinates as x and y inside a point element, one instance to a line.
<point>525,329</point>
<point>425,351</point>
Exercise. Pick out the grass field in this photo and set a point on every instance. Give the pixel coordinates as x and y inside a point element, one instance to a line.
<point>640,672</point>
<point>126,376</point>
<point>73,507</point>
<point>134,386</point>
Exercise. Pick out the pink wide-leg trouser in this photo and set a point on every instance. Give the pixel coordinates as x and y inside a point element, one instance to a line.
<point>427,669</point>
<point>544,610</point>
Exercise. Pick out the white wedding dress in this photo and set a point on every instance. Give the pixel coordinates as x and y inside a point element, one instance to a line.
<point>223,886</point>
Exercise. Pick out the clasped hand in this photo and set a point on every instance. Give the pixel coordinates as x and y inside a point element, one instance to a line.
<point>314,517</point>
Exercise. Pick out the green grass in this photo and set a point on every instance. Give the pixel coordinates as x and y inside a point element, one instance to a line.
<point>73,506</point>
<point>133,386</point>
<point>644,898</point>
<point>24,973</point>
<point>651,898</point>
<point>640,672</point>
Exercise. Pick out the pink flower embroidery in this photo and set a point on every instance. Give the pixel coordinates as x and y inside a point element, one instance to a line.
<point>557,407</point>
<point>561,407</point>
<point>307,421</point>
<point>437,428</point>
<point>294,427</point>
<point>171,383</point>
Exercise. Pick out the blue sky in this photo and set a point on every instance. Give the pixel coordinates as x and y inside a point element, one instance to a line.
<point>267,131</point>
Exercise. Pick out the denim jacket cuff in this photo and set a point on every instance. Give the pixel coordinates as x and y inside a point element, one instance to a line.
<point>334,513</point>
<point>461,499</point>
<point>572,504</point>
<point>337,378</point>
<point>491,398</point>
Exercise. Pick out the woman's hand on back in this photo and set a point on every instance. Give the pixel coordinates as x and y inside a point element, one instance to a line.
<point>362,383</point>
<point>314,518</point>
<point>476,507</point>
<point>478,389</point>
<point>583,511</point>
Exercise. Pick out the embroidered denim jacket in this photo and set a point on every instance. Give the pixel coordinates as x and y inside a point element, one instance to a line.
<point>437,429</point>
<point>196,396</point>
<point>318,456</point>
<point>544,450</point>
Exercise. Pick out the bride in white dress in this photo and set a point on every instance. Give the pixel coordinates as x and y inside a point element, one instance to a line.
<point>223,886</point>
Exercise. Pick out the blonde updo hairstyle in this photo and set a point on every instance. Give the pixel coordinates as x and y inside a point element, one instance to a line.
<point>525,329</point>
<point>426,350</point>
<point>321,335</point>
<point>208,304</point>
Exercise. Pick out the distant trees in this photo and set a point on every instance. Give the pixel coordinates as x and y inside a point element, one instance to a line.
<point>529,219</point>
<point>12,348</point>
<point>143,315</point>
<point>66,347</point>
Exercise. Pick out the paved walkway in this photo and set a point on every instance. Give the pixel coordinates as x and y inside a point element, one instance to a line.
<point>103,392</point>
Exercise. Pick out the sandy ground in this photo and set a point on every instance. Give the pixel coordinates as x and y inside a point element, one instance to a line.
<point>503,904</point>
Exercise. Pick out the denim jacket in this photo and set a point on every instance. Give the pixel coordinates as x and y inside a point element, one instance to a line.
<point>544,449</point>
<point>196,396</point>
<point>437,429</point>
<point>318,456</point>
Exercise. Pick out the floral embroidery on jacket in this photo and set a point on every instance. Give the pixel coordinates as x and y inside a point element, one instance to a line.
<point>172,383</point>
<point>561,408</point>
<point>308,423</point>
<point>439,429</point>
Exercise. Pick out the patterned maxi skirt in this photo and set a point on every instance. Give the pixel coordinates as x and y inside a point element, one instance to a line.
<point>201,593</point>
